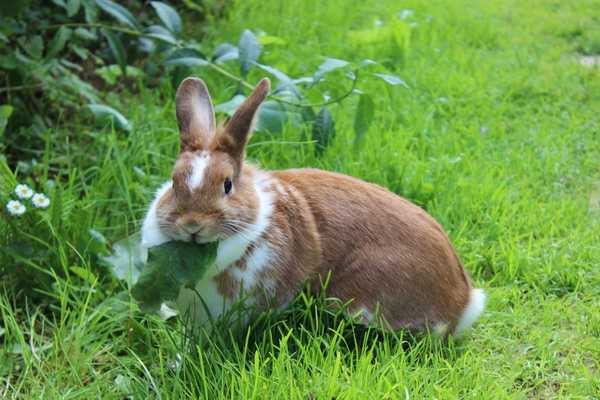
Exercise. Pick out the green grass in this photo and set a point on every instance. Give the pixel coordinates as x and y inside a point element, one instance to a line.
<point>498,138</point>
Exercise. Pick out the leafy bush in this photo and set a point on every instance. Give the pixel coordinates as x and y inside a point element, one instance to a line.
<point>62,60</point>
<point>57,55</point>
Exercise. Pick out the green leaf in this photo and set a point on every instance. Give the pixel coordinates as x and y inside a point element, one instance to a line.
<point>225,52</point>
<point>127,259</point>
<point>187,57</point>
<point>249,50</point>
<point>161,33</point>
<point>272,117</point>
<point>275,72</point>
<point>363,116</point>
<point>168,16</point>
<point>392,79</point>
<point>330,64</point>
<point>91,11</point>
<point>85,34</point>
<point>72,7</point>
<point>34,46</point>
<point>117,49</point>
<point>323,130</point>
<point>187,61</point>
<point>105,113</point>
<point>171,266</point>
<point>58,41</point>
<point>6,111</point>
<point>119,12</point>
<point>230,106</point>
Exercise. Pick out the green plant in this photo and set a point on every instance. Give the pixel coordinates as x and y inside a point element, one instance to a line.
<point>58,58</point>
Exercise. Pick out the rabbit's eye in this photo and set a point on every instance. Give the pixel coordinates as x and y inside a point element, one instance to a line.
<point>227,185</point>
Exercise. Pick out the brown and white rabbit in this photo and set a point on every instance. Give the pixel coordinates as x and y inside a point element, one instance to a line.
<point>277,230</point>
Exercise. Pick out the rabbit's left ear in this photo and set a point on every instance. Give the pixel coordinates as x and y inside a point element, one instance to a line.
<point>195,115</point>
<point>238,129</point>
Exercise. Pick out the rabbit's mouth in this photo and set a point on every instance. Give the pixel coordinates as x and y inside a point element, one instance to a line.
<point>201,239</point>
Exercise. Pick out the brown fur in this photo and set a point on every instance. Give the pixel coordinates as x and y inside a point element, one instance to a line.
<point>382,253</point>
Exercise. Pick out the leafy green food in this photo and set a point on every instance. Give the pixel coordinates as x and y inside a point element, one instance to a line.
<point>170,267</point>
<point>156,275</point>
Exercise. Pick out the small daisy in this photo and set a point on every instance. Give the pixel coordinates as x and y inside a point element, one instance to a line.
<point>40,200</point>
<point>23,191</point>
<point>15,207</point>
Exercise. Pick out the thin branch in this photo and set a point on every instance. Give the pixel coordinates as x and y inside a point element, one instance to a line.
<point>21,87</point>
<point>114,28</point>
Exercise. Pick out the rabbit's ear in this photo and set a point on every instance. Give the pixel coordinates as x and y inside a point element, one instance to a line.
<point>195,115</point>
<point>238,128</point>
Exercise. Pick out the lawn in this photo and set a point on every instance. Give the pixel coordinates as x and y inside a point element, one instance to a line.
<point>497,136</point>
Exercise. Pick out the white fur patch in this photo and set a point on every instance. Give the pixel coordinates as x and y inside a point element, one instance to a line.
<point>233,248</point>
<point>200,305</point>
<point>199,165</point>
<point>151,232</point>
<point>440,329</point>
<point>230,251</point>
<point>260,258</point>
<point>472,311</point>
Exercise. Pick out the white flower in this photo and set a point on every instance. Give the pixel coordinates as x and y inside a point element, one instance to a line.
<point>40,200</point>
<point>15,207</point>
<point>23,191</point>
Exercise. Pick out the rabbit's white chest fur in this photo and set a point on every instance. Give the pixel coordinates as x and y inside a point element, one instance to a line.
<point>229,252</point>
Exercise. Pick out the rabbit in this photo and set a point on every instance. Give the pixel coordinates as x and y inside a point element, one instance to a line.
<point>277,230</point>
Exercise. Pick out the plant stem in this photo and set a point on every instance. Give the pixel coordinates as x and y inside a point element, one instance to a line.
<point>114,28</point>
<point>21,87</point>
<point>229,75</point>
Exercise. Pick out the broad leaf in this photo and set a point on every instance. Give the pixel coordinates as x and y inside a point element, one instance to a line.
<point>58,41</point>
<point>187,61</point>
<point>249,51</point>
<point>230,106</point>
<point>117,49</point>
<point>392,79</point>
<point>162,34</point>
<point>34,46</point>
<point>187,57</point>
<point>171,266</point>
<point>323,130</point>
<point>272,117</point>
<point>225,52</point>
<point>90,10</point>
<point>119,12</point>
<point>363,116</point>
<point>85,34</point>
<point>105,113</point>
<point>330,64</point>
<point>275,72</point>
<point>127,259</point>
<point>168,16</point>
<point>72,7</point>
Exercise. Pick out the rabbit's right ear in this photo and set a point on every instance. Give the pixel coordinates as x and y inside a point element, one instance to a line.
<point>195,115</point>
